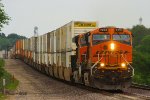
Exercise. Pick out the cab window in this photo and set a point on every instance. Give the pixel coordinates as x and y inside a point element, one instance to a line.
<point>123,38</point>
<point>83,41</point>
<point>99,38</point>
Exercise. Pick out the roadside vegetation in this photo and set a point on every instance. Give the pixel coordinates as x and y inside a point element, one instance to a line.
<point>11,82</point>
<point>6,42</point>
<point>141,54</point>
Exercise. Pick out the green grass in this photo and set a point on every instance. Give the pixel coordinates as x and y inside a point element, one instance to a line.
<point>13,85</point>
<point>11,82</point>
<point>2,97</point>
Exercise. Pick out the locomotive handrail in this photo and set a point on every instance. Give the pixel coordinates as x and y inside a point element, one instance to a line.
<point>95,64</point>
<point>129,65</point>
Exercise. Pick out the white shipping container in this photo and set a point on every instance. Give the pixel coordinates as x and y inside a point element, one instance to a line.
<point>44,49</point>
<point>40,58</point>
<point>75,28</point>
<point>49,59</point>
<point>38,44</point>
<point>29,43</point>
<point>53,41</point>
<point>58,40</point>
<point>65,40</point>
<point>53,58</point>
<point>65,34</point>
<point>66,59</point>
<point>48,42</point>
<point>43,56</point>
<point>58,46</point>
<point>58,59</point>
<point>36,57</point>
<point>63,59</point>
<point>25,44</point>
<point>39,48</point>
<point>44,43</point>
<point>33,43</point>
<point>41,43</point>
<point>33,53</point>
<point>53,48</point>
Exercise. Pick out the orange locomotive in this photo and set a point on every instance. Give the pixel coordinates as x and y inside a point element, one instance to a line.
<point>104,58</point>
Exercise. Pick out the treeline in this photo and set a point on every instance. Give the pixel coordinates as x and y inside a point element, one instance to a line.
<point>7,42</point>
<point>141,54</point>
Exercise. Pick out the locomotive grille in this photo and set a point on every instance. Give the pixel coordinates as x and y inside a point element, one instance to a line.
<point>113,59</point>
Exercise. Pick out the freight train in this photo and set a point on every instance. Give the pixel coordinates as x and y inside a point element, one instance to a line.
<point>80,52</point>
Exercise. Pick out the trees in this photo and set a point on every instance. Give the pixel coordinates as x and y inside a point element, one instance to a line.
<point>9,40</point>
<point>3,43</point>
<point>141,54</point>
<point>144,46</point>
<point>4,18</point>
<point>15,36</point>
<point>2,35</point>
<point>139,31</point>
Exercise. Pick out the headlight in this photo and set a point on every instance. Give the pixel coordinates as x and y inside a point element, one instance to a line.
<point>102,64</point>
<point>123,65</point>
<point>112,46</point>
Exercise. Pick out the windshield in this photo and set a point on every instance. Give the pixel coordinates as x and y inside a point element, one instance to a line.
<point>83,41</point>
<point>123,38</point>
<point>98,38</point>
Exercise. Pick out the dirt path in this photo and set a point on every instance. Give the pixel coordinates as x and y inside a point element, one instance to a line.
<point>41,87</point>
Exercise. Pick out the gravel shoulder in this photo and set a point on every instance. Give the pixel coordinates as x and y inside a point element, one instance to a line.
<point>36,86</point>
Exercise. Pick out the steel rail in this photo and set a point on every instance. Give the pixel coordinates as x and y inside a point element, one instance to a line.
<point>140,86</point>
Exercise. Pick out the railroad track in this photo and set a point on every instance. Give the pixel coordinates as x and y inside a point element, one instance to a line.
<point>112,93</point>
<point>140,86</point>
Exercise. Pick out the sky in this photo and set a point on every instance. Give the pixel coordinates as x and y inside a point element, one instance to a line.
<point>49,15</point>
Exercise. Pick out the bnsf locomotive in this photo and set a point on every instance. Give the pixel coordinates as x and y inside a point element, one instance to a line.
<point>99,57</point>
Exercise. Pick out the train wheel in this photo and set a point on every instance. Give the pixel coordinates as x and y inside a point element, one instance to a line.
<point>72,79</point>
<point>49,71</point>
<point>46,69</point>
<point>76,76</point>
<point>86,79</point>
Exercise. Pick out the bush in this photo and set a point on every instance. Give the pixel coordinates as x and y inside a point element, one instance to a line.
<point>11,82</point>
<point>141,65</point>
<point>1,67</point>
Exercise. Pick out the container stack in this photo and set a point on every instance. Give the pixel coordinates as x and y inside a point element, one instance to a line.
<point>65,43</point>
